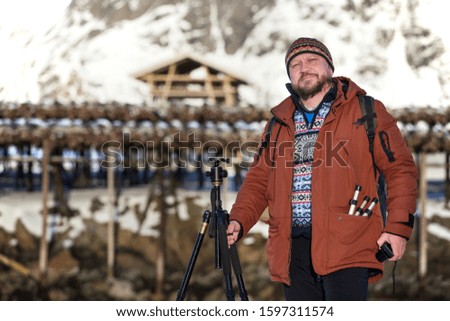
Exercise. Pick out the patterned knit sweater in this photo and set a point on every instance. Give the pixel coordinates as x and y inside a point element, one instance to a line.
<point>307,126</point>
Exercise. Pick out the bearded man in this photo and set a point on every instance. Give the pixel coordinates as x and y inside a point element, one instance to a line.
<point>318,153</point>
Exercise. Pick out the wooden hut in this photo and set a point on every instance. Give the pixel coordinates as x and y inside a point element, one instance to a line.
<point>191,79</point>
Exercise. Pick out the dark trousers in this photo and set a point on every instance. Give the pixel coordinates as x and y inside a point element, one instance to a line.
<point>349,284</point>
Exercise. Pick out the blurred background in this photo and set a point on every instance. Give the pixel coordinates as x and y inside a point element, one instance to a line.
<point>111,109</point>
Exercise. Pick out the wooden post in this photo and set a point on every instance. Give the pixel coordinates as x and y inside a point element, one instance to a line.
<point>209,86</point>
<point>151,83</point>
<point>161,250</point>
<point>43,250</point>
<point>230,100</point>
<point>423,219</point>
<point>447,181</point>
<point>110,237</point>
<point>168,84</point>
<point>29,180</point>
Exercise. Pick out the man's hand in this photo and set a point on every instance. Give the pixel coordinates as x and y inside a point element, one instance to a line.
<point>398,245</point>
<point>232,232</point>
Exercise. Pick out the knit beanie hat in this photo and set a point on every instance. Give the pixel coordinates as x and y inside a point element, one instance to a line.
<point>308,45</point>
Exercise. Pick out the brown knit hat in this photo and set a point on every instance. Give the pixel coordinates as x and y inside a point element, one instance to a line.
<point>308,45</point>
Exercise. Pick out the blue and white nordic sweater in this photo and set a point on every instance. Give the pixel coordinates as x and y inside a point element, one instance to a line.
<point>307,126</point>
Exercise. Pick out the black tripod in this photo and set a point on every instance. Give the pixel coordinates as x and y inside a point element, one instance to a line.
<point>217,230</point>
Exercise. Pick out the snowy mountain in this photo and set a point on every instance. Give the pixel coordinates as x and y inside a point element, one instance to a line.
<point>398,50</point>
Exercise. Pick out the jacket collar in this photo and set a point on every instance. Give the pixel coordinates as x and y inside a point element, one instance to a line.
<point>346,90</point>
<point>329,96</point>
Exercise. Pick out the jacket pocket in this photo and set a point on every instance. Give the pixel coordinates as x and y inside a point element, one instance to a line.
<point>274,226</point>
<point>278,248</point>
<point>347,229</point>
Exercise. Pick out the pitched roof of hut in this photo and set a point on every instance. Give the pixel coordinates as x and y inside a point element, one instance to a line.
<point>187,62</point>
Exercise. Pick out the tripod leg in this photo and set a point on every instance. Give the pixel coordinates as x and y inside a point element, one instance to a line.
<point>198,243</point>
<point>238,272</point>
<point>226,266</point>
<point>213,227</point>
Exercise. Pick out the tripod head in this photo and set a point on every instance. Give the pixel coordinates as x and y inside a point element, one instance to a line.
<point>217,173</point>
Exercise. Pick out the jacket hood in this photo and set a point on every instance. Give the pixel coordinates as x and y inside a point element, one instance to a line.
<point>346,91</point>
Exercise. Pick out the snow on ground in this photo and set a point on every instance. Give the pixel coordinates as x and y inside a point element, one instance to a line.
<point>27,207</point>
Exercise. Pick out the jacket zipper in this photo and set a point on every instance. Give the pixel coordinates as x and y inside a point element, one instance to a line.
<point>290,200</point>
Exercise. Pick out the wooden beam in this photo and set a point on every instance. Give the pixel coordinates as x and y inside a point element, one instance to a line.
<point>180,93</point>
<point>52,159</point>
<point>43,249</point>
<point>447,181</point>
<point>209,86</point>
<point>229,91</point>
<point>169,79</point>
<point>423,232</point>
<point>15,265</point>
<point>183,78</point>
<point>110,236</point>
<point>161,251</point>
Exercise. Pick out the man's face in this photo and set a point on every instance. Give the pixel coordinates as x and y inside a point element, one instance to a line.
<point>309,74</point>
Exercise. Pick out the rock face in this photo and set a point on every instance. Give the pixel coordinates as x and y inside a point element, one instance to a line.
<point>84,53</point>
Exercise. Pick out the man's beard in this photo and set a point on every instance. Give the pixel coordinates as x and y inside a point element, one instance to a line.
<point>305,93</point>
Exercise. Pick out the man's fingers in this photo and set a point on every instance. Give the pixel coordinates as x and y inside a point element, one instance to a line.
<point>231,239</point>
<point>232,232</point>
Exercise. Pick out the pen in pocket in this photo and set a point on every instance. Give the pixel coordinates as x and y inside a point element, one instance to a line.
<point>354,200</point>
<point>360,209</point>
<point>368,211</point>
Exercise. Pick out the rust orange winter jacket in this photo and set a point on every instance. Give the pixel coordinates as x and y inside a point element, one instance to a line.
<point>341,161</point>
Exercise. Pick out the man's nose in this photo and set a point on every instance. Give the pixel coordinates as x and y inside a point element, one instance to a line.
<point>302,67</point>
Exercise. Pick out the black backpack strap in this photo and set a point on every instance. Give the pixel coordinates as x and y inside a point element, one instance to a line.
<point>370,122</point>
<point>266,140</point>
